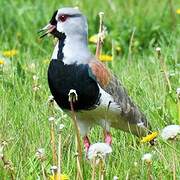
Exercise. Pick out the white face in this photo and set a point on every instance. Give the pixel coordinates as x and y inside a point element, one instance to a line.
<point>71,22</point>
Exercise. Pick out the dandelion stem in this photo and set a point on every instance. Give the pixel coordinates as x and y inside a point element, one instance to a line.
<point>178,107</point>
<point>99,40</point>
<point>53,144</point>
<point>101,170</point>
<point>94,169</point>
<point>59,156</point>
<point>174,160</point>
<point>149,171</point>
<point>72,98</point>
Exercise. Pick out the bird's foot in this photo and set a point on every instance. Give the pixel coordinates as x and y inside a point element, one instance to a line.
<point>108,138</point>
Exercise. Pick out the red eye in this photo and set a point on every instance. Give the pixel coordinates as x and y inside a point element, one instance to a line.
<point>62,18</point>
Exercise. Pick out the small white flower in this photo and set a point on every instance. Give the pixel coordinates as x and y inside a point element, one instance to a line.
<point>158,49</point>
<point>1,151</point>
<point>170,132</point>
<point>35,78</point>
<point>2,145</point>
<point>115,178</point>
<point>36,88</point>
<point>50,98</point>
<point>40,153</point>
<point>99,148</point>
<point>178,91</point>
<point>32,66</point>
<point>61,126</point>
<point>147,157</point>
<point>51,119</point>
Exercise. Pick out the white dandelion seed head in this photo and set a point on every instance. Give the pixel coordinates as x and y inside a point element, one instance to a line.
<point>51,118</point>
<point>102,149</point>
<point>53,169</point>
<point>147,157</point>
<point>170,132</point>
<point>158,49</point>
<point>73,95</point>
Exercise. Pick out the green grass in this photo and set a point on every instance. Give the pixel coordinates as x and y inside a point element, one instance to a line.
<point>24,113</point>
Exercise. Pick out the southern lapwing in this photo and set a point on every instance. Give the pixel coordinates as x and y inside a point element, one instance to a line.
<point>102,99</point>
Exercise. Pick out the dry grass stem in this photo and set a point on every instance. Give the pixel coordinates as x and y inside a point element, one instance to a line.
<point>99,40</point>
<point>164,68</point>
<point>130,45</point>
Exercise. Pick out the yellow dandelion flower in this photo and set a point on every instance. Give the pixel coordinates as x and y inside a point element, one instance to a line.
<point>105,58</point>
<point>149,137</point>
<point>59,176</point>
<point>2,62</point>
<point>10,53</point>
<point>93,38</point>
<point>178,11</point>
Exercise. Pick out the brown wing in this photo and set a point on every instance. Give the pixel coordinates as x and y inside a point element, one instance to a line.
<point>112,86</point>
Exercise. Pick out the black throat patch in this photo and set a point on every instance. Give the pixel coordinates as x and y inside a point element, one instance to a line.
<point>61,38</point>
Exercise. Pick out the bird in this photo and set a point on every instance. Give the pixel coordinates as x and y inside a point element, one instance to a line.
<point>102,99</point>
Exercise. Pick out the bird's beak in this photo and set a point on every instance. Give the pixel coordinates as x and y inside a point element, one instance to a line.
<point>46,30</point>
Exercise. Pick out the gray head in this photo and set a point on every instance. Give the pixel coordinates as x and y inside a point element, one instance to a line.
<point>69,21</point>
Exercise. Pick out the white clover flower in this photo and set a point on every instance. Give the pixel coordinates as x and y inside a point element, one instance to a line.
<point>170,132</point>
<point>147,157</point>
<point>40,153</point>
<point>51,119</point>
<point>99,148</point>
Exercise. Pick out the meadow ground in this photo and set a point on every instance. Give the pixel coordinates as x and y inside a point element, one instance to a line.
<point>136,28</point>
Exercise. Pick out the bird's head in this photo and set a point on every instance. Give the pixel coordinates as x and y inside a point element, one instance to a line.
<point>69,21</point>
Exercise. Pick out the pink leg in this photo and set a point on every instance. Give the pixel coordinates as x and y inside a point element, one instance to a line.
<point>108,138</point>
<point>86,143</point>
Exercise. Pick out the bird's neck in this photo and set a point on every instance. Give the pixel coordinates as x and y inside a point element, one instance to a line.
<point>72,49</point>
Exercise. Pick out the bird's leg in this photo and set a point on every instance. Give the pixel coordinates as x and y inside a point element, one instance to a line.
<point>86,143</point>
<point>107,137</point>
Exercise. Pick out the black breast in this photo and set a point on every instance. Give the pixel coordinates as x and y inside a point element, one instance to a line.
<point>62,78</point>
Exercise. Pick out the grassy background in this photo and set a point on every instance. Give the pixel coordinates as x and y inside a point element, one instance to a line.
<point>24,113</point>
